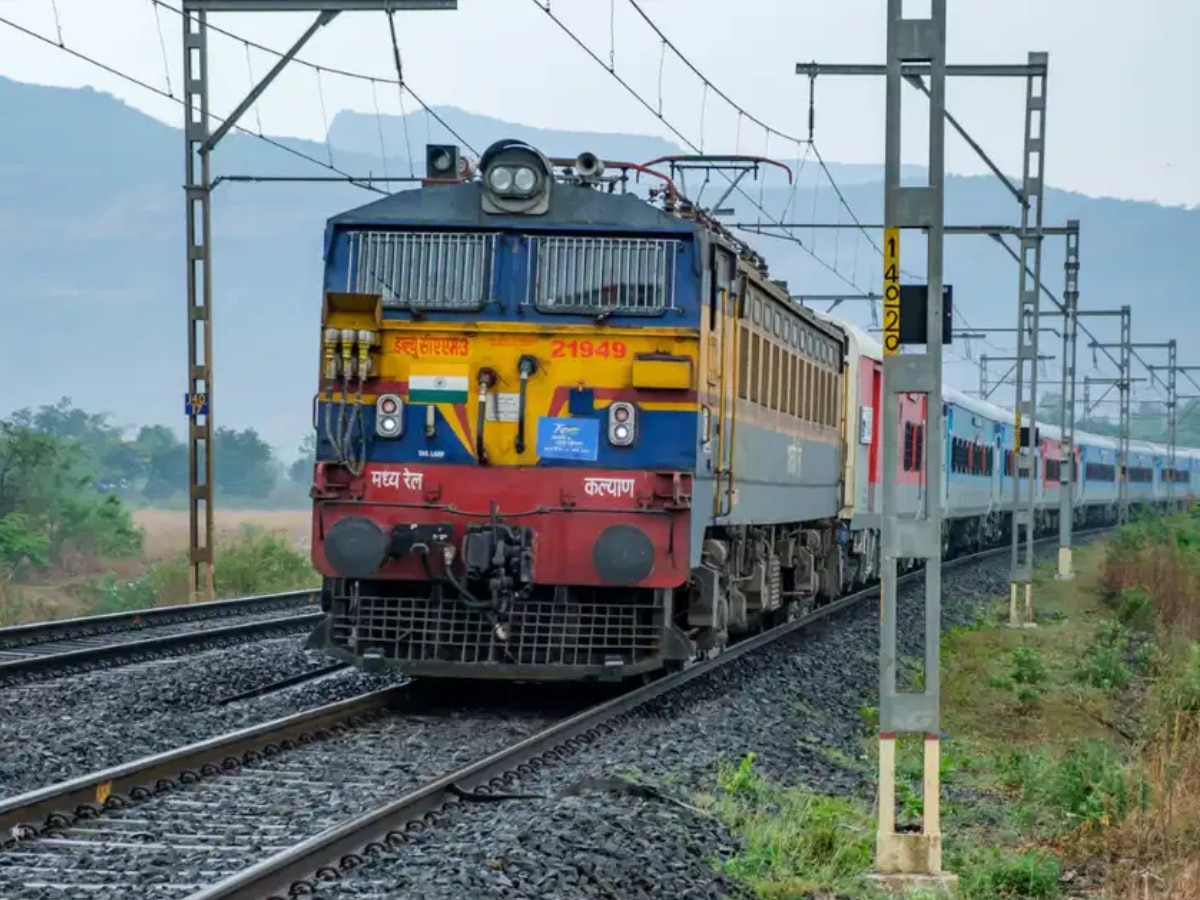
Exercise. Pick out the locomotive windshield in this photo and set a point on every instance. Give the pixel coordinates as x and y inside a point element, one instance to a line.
<point>413,270</point>
<point>599,275</point>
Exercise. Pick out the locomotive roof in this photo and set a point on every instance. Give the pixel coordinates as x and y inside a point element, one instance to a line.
<point>459,205</point>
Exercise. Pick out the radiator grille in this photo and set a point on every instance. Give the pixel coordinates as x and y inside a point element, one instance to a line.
<point>544,632</point>
<point>423,269</point>
<point>594,275</point>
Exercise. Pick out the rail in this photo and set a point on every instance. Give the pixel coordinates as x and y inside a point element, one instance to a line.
<point>279,874</point>
<point>337,849</point>
<point>30,652</point>
<point>59,629</point>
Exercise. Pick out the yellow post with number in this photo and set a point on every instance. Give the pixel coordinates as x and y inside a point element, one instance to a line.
<point>891,291</point>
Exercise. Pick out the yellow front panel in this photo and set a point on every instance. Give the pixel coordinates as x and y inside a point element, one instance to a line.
<point>567,358</point>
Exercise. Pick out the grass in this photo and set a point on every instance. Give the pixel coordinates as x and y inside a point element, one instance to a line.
<point>794,842</point>
<point>1072,765</point>
<point>252,560</point>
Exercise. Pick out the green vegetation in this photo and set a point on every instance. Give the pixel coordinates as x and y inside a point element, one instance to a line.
<point>1074,763</point>
<point>150,467</point>
<point>63,475</point>
<point>253,563</point>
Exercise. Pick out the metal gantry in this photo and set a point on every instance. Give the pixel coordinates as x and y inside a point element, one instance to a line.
<point>1025,440</point>
<point>199,142</point>
<point>1173,369</point>
<point>1066,444</point>
<point>916,52</point>
<point>1124,384</point>
<point>985,392</point>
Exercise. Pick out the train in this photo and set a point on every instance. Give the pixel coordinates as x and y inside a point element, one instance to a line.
<point>567,431</point>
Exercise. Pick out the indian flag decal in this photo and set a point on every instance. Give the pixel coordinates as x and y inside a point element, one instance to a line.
<point>445,384</point>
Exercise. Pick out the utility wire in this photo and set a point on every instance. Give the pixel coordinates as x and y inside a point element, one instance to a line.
<point>133,79</point>
<point>633,92</point>
<point>402,85</point>
<point>742,112</point>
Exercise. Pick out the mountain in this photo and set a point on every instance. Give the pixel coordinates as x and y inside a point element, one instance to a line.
<point>92,238</point>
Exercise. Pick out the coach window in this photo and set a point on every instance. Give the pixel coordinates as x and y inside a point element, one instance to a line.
<point>810,377</point>
<point>744,369</point>
<point>781,370</point>
<point>789,382</point>
<point>823,397</point>
<point>801,386</point>
<point>773,387</point>
<point>801,378</point>
<point>778,389</point>
<point>830,418</point>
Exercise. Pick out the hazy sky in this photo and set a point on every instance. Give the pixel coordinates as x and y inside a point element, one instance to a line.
<point>1122,121</point>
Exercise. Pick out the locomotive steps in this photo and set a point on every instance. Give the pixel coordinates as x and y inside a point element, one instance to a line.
<point>106,812</point>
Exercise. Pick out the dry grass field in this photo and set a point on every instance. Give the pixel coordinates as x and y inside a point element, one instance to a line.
<point>70,590</point>
<point>167,530</point>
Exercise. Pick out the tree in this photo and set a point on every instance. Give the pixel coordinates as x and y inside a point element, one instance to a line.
<point>1049,408</point>
<point>301,470</point>
<point>245,465</point>
<point>165,459</point>
<point>101,446</point>
<point>48,505</point>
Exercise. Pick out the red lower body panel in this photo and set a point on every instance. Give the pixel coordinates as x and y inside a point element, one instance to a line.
<point>589,527</point>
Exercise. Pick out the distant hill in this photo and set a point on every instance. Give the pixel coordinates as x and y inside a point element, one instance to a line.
<point>91,221</point>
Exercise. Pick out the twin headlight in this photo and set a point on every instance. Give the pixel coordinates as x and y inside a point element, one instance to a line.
<point>518,181</point>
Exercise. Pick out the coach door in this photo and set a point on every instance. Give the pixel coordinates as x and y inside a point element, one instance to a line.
<point>723,362</point>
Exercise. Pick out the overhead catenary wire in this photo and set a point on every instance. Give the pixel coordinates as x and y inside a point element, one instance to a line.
<point>770,131</point>
<point>649,107</point>
<point>141,83</point>
<point>333,70</point>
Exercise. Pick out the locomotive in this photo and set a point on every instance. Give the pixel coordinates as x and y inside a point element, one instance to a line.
<point>568,433</point>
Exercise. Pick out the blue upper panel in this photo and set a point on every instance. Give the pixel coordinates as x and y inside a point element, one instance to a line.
<point>504,267</point>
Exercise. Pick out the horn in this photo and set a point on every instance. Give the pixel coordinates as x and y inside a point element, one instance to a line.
<point>589,165</point>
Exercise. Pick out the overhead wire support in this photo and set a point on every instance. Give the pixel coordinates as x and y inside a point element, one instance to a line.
<point>1128,350</point>
<point>199,143</point>
<point>1124,384</point>
<point>1067,476</point>
<point>916,50</point>
<point>649,107</point>
<point>920,537</point>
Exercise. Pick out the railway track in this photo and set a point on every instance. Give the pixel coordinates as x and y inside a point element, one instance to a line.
<point>201,810</point>
<point>44,649</point>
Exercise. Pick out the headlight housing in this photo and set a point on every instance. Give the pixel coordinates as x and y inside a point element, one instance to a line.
<point>389,416</point>
<point>517,179</point>
<point>622,424</point>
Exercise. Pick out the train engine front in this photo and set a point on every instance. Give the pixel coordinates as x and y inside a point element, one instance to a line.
<point>507,424</point>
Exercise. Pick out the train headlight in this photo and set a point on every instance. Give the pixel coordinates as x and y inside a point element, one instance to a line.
<point>517,179</point>
<point>500,179</point>
<point>389,416</point>
<point>525,179</point>
<point>622,424</point>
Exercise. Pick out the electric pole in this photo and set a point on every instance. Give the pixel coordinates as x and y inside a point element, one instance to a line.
<point>199,143</point>
<point>1066,444</point>
<point>1025,438</point>
<point>916,53</point>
